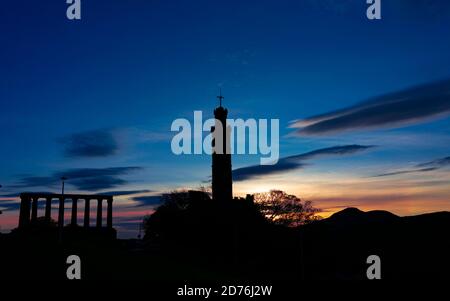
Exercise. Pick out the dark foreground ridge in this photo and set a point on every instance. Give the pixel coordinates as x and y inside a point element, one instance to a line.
<point>214,241</point>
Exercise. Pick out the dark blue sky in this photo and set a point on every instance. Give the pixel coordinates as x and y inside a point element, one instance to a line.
<point>122,74</point>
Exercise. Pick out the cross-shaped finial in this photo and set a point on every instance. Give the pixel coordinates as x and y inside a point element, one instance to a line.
<point>220,97</point>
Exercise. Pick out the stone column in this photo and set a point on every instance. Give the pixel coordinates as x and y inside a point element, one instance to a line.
<point>34,207</point>
<point>109,216</point>
<point>99,213</point>
<point>61,213</point>
<point>48,209</point>
<point>87,212</point>
<point>24,216</point>
<point>74,212</point>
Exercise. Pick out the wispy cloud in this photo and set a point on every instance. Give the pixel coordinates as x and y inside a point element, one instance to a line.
<point>438,163</point>
<point>152,200</point>
<point>401,172</point>
<point>98,183</point>
<point>89,179</point>
<point>9,205</point>
<point>294,162</point>
<point>10,195</point>
<point>125,192</point>
<point>423,167</point>
<point>97,143</point>
<point>409,106</point>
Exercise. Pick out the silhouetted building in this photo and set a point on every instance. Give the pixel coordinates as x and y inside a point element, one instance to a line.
<point>222,183</point>
<point>29,202</point>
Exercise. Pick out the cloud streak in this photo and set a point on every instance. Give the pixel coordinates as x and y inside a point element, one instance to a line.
<point>294,162</point>
<point>89,179</point>
<point>423,167</point>
<point>402,172</point>
<point>8,205</point>
<point>438,163</point>
<point>152,200</point>
<point>98,143</point>
<point>125,192</point>
<point>410,106</point>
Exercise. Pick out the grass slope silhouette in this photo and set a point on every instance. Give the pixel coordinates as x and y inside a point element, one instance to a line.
<point>213,241</point>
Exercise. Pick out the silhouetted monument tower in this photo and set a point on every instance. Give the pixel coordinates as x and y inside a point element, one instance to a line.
<point>222,183</point>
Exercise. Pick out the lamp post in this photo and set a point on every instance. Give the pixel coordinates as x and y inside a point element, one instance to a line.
<point>0,210</point>
<point>61,211</point>
<point>62,190</point>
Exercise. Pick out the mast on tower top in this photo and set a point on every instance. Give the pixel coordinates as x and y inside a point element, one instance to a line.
<point>220,97</point>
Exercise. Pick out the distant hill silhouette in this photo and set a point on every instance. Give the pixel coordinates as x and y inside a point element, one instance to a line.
<point>354,216</point>
<point>409,247</point>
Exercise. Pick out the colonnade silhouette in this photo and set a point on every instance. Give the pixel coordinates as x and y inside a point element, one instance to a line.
<point>29,201</point>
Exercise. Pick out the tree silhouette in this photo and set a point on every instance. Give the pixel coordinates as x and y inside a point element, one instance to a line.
<point>285,209</point>
<point>177,208</point>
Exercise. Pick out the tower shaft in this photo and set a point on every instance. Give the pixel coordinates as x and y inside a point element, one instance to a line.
<point>222,183</point>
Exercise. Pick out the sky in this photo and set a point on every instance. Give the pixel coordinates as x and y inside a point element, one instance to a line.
<point>363,104</point>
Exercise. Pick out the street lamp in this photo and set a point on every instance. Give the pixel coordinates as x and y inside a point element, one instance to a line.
<point>61,211</point>
<point>0,210</point>
<point>62,190</point>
